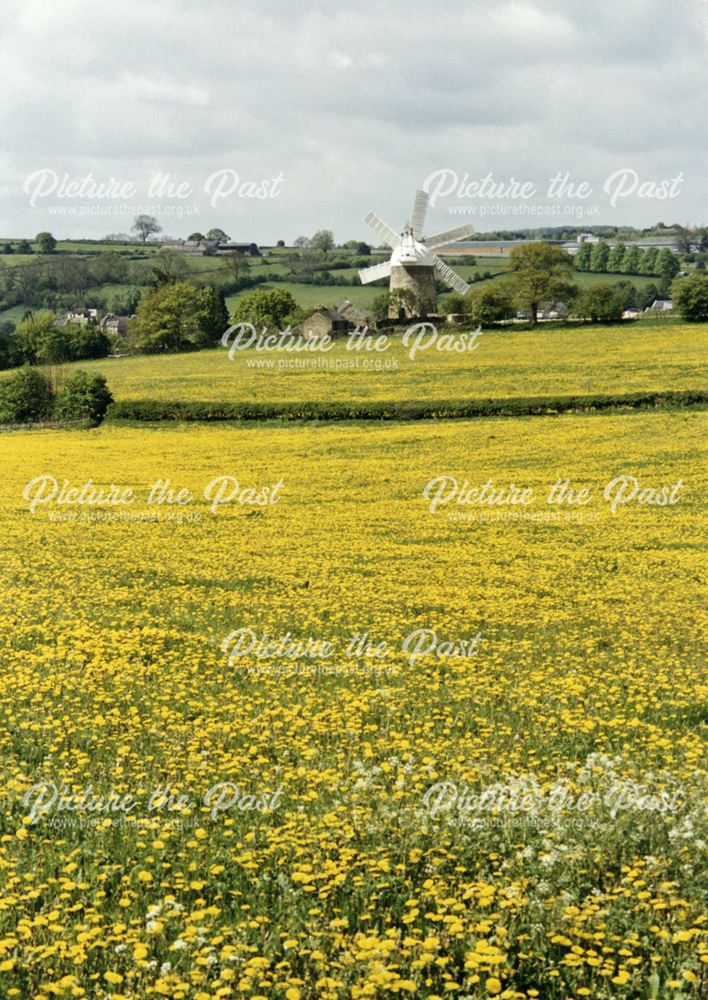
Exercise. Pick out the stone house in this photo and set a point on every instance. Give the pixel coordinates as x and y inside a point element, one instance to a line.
<point>335,322</point>
<point>116,324</point>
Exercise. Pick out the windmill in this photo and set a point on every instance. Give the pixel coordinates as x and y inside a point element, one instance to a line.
<point>414,263</point>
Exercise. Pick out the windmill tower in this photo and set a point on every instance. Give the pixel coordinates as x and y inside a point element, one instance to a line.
<point>414,265</point>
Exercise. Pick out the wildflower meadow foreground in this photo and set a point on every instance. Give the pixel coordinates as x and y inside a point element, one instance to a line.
<point>296,712</point>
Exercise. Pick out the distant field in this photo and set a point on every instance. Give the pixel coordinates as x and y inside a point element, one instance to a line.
<point>276,264</point>
<point>506,363</point>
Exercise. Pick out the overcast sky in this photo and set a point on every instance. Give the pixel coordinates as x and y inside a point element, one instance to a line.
<point>335,109</point>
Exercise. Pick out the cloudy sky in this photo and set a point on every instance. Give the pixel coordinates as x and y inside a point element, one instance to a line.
<point>275,118</point>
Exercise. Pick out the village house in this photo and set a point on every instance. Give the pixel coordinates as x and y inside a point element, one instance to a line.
<point>116,324</point>
<point>82,316</point>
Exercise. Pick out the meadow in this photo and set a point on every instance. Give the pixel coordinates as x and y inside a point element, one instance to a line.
<point>361,875</point>
<point>542,362</point>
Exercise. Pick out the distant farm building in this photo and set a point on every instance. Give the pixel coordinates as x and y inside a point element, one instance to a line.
<point>211,248</point>
<point>661,305</point>
<point>194,248</point>
<point>248,249</point>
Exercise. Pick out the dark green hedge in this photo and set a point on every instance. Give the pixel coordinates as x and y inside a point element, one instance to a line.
<point>406,410</point>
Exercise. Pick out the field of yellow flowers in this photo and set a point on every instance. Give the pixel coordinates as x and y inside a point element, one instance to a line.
<point>638,357</point>
<point>478,775</point>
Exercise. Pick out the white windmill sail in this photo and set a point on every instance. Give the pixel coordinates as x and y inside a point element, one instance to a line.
<point>449,236</point>
<point>388,235</point>
<point>450,277</point>
<point>420,206</point>
<point>414,252</point>
<point>369,274</point>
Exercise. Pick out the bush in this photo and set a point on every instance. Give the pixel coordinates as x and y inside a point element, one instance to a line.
<point>153,410</point>
<point>25,397</point>
<point>84,396</point>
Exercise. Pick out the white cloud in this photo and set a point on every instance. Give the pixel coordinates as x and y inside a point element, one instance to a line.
<point>354,105</point>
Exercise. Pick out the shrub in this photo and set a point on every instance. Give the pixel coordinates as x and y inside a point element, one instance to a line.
<point>84,396</point>
<point>25,397</point>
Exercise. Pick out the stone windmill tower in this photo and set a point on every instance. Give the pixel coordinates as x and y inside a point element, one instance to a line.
<point>414,265</point>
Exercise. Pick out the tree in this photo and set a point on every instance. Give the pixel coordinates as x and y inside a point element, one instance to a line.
<point>582,258</point>
<point>273,309</point>
<point>169,267</point>
<point>380,306</point>
<point>236,264</point>
<point>215,314</point>
<point>404,304</point>
<point>648,263</point>
<point>683,240</point>
<point>84,396</point>
<point>301,242</point>
<point>24,247</point>
<point>217,234</point>
<point>72,275</point>
<point>46,242</point>
<point>54,348</point>
<point>86,341</point>
<point>110,268</point>
<point>125,302</point>
<point>363,249</point>
<point>648,294</point>
<point>616,257</point>
<point>599,257</point>
<point>146,225</point>
<point>667,265</point>
<point>601,303</point>
<point>490,304</point>
<point>32,331</point>
<point>453,304</point>
<point>690,297</point>
<point>539,273</point>
<point>630,294</point>
<point>196,237</point>
<point>323,240</point>
<point>633,260</point>
<point>280,243</point>
<point>7,248</point>
<point>7,344</point>
<point>25,396</point>
<point>169,318</point>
